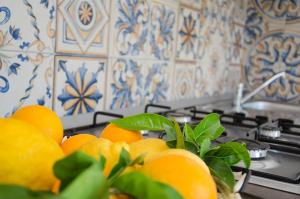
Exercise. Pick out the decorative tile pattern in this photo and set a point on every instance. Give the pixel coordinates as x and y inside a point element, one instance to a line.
<point>163,30</point>
<point>125,83</point>
<point>287,10</point>
<point>187,38</point>
<point>183,80</point>
<point>157,86</point>
<point>79,85</point>
<point>82,26</point>
<point>130,28</point>
<point>274,53</point>
<point>192,3</point>
<point>25,81</point>
<point>27,26</point>
<point>236,44</point>
<point>201,82</point>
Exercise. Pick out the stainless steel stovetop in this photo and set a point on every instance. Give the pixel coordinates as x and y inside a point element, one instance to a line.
<point>279,169</point>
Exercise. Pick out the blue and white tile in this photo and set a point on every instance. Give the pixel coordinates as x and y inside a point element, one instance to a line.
<point>233,78</point>
<point>27,26</point>
<point>82,26</point>
<point>79,85</point>
<point>25,79</point>
<point>129,28</point>
<point>187,34</point>
<point>125,83</point>
<point>236,44</point>
<point>158,81</point>
<point>163,29</point>
<point>192,3</point>
<point>276,52</point>
<point>183,80</point>
<point>201,86</point>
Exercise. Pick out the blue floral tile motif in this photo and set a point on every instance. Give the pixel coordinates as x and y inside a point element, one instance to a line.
<point>25,81</point>
<point>253,26</point>
<point>127,84</point>
<point>27,26</point>
<point>80,93</point>
<point>163,21</point>
<point>132,26</point>
<point>288,10</point>
<point>184,81</point>
<point>157,84</point>
<point>274,53</point>
<point>187,40</point>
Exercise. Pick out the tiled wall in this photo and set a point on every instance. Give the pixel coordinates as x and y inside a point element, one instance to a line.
<point>272,43</point>
<point>78,56</point>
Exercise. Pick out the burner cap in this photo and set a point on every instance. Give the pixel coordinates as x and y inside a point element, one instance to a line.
<point>270,131</point>
<point>180,117</point>
<point>257,150</point>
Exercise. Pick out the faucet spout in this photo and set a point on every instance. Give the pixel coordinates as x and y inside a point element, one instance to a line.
<point>261,87</point>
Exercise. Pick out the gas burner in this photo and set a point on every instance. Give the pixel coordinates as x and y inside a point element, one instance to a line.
<point>270,131</point>
<point>257,150</point>
<point>180,117</point>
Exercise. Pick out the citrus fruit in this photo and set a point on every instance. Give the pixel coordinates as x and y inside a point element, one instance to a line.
<point>184,171</point>
<point>74,142</point>
<point>149,147</point>
<point>43,118</point>
<point>111,151</point>
<point>117,134</point>
<point>26,155</point>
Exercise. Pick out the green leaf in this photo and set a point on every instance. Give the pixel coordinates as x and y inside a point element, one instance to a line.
<point>142,187</point>
<point>91,183</point>
<point>145,121</point>
<point>205,146</point>
<point>81,177</point>
<point>171,133</point>
<point>189,133</point>
<point>124,161</point>
<point>221,170</point>
<point>232,153</point>
<point>188,146</point>
<point>71,166</point>
<point>179,136</point>
<point>210,127</point>
<point>19,192</point>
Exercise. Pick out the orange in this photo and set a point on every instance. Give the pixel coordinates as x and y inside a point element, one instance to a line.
<point>184,171</point>
<point>117,134</point>
<point>74,142</point>
<point>43,118</point>
<point>27,156</point>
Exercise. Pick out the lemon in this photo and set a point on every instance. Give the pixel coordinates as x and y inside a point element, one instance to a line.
<point>149,147</point>
<point>111,151</point>
<point>26,155</point>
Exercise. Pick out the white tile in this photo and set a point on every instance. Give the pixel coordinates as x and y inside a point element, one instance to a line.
<point>125,83</point>
<point>25,79</point>
<point>28,26</point>
<point>158,82</point>
<point>129,29</point>
<point>163,28</point>
<point>187,34</point>
<point>79,33</point>
<point>79,85</point>
<point>183,80</point>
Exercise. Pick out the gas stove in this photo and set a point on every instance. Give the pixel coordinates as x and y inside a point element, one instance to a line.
<point>273,145</point>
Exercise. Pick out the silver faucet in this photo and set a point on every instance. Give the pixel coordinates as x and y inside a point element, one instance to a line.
<point>241,100</point>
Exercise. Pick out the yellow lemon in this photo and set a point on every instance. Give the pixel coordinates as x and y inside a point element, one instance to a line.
<point>74,142</point>
<point>111,151</point>
<point>149,147</point>
<point>26,155</point>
